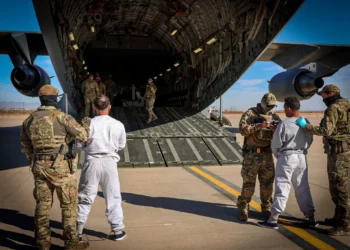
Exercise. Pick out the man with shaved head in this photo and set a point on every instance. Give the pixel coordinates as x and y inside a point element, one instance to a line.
<point>106,137</point>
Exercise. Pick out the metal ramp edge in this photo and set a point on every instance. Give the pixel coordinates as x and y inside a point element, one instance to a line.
<point>179,137</point>
<point>175,152</point>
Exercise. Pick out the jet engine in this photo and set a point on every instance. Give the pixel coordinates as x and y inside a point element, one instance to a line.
<point>28,79</point>
<point>301,83</point>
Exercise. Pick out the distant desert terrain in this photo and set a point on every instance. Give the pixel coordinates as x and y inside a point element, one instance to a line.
<point>237,114</point>
<point>281,114</point>
<point>14,114</point>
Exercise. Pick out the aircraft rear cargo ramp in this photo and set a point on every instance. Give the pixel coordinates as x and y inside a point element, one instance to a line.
<point>179,137</point>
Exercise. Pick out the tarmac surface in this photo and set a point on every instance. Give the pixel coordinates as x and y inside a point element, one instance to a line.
<point>168,208</point>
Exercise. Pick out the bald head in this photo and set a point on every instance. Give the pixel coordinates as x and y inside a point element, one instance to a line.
<point>102,102</point>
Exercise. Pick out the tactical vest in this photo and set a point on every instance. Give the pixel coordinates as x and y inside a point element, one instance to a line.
<point>45,131</point>
<point>263,134</point>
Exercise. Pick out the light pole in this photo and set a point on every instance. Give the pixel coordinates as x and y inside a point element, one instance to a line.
<point>220,119</point>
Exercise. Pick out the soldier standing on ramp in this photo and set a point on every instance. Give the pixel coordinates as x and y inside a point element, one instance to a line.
<point>91,91</point>
<point>335,129</point>
<point>257,130</point>
<point>150,97</point>
<point>44,137</point>
<point>111,88</point>
<point>101,86</point>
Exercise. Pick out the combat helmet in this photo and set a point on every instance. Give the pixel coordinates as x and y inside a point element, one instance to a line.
<point>268,102</point>
<point>48,90</point>
<point>269,99</point>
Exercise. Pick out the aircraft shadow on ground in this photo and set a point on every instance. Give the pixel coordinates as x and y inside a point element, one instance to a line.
<point>10,148</point>
<point>207,209</point>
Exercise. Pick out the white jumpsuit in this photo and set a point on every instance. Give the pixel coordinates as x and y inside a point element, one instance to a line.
<point>289,145</point>
<point>107,137</point>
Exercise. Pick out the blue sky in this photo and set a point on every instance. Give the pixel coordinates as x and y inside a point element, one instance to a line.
<point>19,15</point>
<point>317,21</point>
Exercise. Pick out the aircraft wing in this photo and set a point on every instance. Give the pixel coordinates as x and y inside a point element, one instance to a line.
<point>35,42</point>
<point>291,55</point>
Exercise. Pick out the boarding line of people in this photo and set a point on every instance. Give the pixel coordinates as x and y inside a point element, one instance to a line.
<point>94,87</point>
<point>266,135</point>
<point>47,136</point>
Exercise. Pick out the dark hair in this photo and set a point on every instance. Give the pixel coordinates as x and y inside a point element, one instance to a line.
<point>101,102</point>
<point>292,102</point>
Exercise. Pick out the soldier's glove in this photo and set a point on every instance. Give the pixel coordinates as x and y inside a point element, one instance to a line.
<point>71,155</point>
<point>301,122</point>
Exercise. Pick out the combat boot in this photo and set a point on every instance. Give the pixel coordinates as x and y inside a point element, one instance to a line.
<point>339,231</point>
<point>80,245</point>
<point>266,214</point>
<point>330,221</point>
<point>243,215</point>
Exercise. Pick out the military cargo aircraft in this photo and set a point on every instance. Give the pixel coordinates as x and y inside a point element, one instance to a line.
<point>194,50</point>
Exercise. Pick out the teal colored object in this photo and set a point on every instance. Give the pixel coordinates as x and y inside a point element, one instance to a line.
<point>301,122</point>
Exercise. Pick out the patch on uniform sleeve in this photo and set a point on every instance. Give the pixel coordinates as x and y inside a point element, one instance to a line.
<point>54,115</point>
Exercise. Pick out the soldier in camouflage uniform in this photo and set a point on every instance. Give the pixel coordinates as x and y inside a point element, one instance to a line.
<point>91,91</point>
<point>256,127</point>
<point>111,88</point>
<point>150,97</point>
<point>335,129</point>
<point>101,86</point>
<point>44,134</point>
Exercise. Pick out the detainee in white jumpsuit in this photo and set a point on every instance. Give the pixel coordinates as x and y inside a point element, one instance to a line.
<point>289,145</point>
<point>107,137</point>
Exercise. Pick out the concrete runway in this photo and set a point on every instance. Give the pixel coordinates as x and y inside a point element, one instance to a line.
<point>167,208</point>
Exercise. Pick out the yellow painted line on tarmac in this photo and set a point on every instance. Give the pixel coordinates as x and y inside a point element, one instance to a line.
<point>297,231</point>
<point>215,181</point>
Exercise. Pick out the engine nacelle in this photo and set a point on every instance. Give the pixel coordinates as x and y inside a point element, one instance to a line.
<point>295,82</point>
<point>28,79</point>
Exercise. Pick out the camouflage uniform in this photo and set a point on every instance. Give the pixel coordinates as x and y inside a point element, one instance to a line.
<point>335,129</point>
<point>102,88</point>
<point>257,155</point>
<point>91,91</point>
<point>42,134</point>
<point>110,88</point>
<point>150,97</point>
